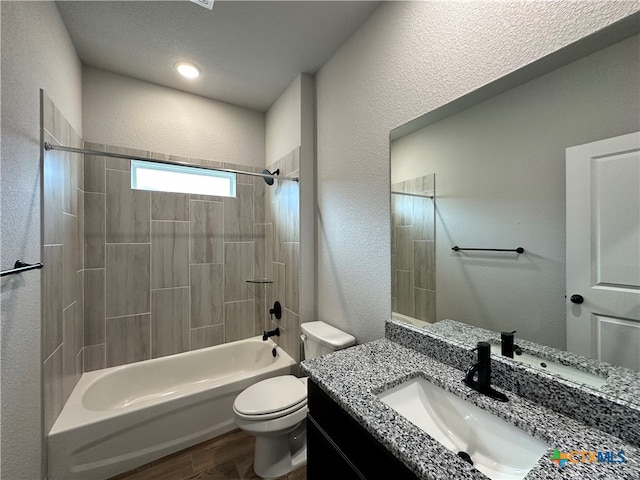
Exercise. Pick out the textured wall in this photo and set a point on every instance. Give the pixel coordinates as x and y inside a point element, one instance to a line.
<point>406,60</point>
<point>119,110</point>
<point>500,167</point>
<point>282,123</point>
<point>36,53</point>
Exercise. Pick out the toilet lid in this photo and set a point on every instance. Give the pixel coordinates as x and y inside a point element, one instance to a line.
<point>271,395</point>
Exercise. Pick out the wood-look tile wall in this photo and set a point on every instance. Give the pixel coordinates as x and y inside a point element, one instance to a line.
<point>283,251</point>
<point>413,249</point>
<point>166,272</point>
<point>62,254</point>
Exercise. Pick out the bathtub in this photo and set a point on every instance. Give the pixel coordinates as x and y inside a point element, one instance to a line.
<point>122,417</point>
<point>410,320</point>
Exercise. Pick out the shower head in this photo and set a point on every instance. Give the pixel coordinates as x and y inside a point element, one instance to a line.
<point>269,181</point>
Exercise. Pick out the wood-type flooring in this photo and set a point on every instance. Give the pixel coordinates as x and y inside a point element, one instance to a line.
<point>228,457</point>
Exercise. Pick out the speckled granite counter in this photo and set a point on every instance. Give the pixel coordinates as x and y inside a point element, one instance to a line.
<point>621,382</point>
<point>448,342</point>
<point>352,377</point>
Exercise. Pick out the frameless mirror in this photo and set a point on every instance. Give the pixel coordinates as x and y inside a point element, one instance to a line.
<point>499,157</point>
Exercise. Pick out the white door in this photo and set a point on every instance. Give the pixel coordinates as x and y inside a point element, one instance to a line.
<point>603,250</point>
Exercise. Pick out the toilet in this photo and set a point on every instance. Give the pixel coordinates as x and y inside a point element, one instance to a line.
<point>275,409</point>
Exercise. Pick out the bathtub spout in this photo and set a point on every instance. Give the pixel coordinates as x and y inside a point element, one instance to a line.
<point>271,333</point>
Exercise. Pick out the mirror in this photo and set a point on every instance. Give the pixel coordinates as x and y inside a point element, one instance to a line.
<point>499,156</point>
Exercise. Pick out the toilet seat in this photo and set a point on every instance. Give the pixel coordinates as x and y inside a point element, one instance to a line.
<point>272,398</point>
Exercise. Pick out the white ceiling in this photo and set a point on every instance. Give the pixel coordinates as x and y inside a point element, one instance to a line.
<point>248,51</point>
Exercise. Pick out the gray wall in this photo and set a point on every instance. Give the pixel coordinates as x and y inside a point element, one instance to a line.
<point>282,122</point>
<point>119,110</point>
<point>36,53</point>
<point>500,167</point>
<point>380,79</point>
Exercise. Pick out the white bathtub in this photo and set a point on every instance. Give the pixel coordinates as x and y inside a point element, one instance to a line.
<point>122,417</point>
<point>410,320</point>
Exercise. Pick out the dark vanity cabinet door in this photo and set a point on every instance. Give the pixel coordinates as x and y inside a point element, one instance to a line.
<point>338,447</point>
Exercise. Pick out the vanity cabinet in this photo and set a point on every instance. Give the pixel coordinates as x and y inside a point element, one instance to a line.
<point>339,447</point>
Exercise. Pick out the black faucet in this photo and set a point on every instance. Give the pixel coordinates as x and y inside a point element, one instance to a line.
<point>483,370</point>
<point>508,348</point>
<point>271,333</point>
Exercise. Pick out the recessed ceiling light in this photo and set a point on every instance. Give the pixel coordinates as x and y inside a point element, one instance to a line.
<point>187,69</point>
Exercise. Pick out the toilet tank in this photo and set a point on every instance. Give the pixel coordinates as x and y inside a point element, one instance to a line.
<point>320,338</point>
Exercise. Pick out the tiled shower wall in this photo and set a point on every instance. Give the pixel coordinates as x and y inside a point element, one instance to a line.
<point>283,251</point>
<point>62,233</point>
<point>165,272</point>
<point>413,248</point>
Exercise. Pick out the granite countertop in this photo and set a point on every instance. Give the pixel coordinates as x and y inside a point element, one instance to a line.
<point>352,377</point>
<point>621,382</point>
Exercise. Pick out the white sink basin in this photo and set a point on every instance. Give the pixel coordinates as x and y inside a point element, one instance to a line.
<point>564,371</point>
<point>498,449</point>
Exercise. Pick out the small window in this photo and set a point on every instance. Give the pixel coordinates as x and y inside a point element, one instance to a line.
<point>160,177</point>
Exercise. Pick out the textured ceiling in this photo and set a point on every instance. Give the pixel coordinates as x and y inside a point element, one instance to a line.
<point>249,52</point>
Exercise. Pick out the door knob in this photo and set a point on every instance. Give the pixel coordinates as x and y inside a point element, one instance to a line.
<point>575,298</point>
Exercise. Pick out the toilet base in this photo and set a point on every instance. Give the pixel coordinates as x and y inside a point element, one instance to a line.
<point>276,456</point>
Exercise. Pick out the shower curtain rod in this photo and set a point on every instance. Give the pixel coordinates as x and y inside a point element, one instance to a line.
<point>98,153</point>
<point>412,194</point>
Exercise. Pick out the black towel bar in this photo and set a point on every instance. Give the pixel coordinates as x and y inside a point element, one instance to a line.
<point>20,266</point>
<point>517,250</point>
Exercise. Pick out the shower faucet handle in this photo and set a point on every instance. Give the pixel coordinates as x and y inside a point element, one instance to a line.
<point>276,310</point>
